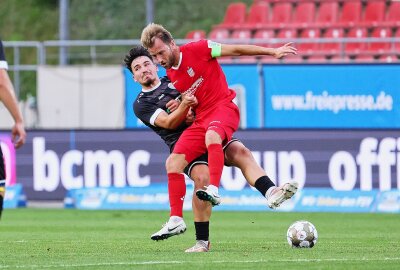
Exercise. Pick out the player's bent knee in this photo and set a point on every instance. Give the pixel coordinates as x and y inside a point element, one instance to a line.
<point>214,135</point>
<point>200,176</point>
<point>175,163</point>
<point>237,152</point>
<point>201,180</point>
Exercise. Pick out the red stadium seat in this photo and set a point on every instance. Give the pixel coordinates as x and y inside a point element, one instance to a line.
<point>281,15</point>
<point>218,34</point>
<point>225,60</point>
<point>339,59</point>
<point>241,34</point>
<point>235,15</point>
<point>266,35</point>
<point>246,59</point>
<point>304,15</point>
<point>380,47</point>
<point>334,47</point>
<point>374,13</point>
<point>258,16</point>
<point>351,14</point>
<point>397,44</point>
<point>308,48</point>
<point>293,59</point>
<point>287,33</point>
<point>388,58</point>
<point>317,59</point>
<point>362,58</point>
<point>327,15</point>
<point>196,35</point>
<point>269,60</point>
<point>393,15</point>
<point>353,48</point>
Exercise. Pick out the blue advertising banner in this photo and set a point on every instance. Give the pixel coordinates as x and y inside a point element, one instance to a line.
<point>305,200</point>
<point>52,162</point>
<point>332,96</point>
<point>14,197</point>
<point>244,79</point>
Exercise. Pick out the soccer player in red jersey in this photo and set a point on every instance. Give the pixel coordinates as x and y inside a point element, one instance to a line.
<point>194,70</point>
<point>158,107</point>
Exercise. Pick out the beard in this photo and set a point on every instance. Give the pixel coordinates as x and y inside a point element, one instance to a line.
<point>148,82</point>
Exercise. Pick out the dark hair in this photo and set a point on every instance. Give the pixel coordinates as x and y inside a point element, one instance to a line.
<point>134,53</point>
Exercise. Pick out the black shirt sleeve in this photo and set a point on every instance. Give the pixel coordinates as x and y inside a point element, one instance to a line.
<point>3,62</point>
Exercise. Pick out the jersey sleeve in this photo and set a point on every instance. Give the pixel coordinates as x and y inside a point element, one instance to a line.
<point>3,62</point>
<point>206,49</point>
<point>146,112</point>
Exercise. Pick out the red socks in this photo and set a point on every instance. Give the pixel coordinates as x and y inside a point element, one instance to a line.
<point>215,163</point>
<point>176,192</point>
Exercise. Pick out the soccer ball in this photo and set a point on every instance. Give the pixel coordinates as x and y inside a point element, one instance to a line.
<point>302,234</point>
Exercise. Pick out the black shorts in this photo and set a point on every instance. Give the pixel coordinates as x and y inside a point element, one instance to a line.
<point>2,170</point>
<point>203,159</point>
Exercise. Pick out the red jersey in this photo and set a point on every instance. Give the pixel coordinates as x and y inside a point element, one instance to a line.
<point>200,74</point>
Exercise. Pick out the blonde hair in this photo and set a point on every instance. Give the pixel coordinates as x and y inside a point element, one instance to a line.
<point>152,31</point>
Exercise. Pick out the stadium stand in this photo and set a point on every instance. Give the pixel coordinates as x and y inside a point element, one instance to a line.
<point>333,48</point>
<point>381,47</point>
<point>374,14</point>
<point>264,34</point>
<point>363,21</point>
<point>196,34</point>
<point>241,34</point>
<point>304,15</point>
<point>351,14</point>
<point>235,16</point>
<point>258,16</point>
<point>219,34</point>
<point>393,15</point>
<point>327,15</point>
<point>354,48</point>
<point>309,48</point>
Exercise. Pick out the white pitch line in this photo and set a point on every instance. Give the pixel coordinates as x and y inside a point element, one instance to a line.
<point>183,262</point>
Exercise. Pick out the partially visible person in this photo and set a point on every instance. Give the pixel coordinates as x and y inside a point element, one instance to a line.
<point>7,96</point>
<point>157,106</point>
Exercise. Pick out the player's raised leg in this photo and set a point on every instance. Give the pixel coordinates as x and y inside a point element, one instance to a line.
<point>236,154</point>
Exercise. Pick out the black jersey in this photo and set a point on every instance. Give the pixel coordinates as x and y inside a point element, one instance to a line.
<point>3,62</point>
<point>149,104</point>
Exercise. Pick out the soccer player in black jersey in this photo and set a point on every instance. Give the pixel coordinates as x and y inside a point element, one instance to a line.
<point>157,107</point>
<point>7,96</point>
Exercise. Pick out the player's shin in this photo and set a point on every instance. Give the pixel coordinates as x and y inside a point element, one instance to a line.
<point>176,192</point>
<point>215,163</point>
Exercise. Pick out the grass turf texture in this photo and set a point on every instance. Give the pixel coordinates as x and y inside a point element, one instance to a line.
<point>74,239</point>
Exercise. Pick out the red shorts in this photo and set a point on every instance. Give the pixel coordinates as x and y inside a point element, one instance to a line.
<point>224,120</point>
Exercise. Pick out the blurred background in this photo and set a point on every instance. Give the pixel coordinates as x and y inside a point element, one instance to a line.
<point>328,118</point>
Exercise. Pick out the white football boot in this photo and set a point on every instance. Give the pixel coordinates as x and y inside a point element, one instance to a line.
<point>280,194</point>
<point>209,194</point>
<point>174,226</point>
<point>200,246</point>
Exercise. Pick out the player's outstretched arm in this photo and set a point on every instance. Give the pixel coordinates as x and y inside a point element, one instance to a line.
<point>237,50</point>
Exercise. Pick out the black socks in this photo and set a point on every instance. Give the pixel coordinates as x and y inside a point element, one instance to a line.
<point>263,184</point>
<point>202,230</point>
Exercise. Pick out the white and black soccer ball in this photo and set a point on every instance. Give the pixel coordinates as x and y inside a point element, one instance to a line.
<point>302,234</point>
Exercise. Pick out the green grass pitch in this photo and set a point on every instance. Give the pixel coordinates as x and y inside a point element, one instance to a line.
<point>74,239</point>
